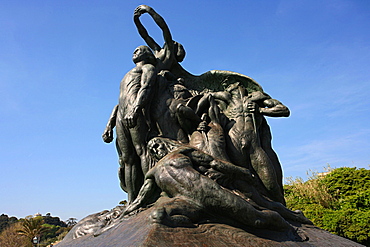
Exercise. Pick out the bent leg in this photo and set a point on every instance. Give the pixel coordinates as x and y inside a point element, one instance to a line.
<point>241,210</point>
<point>178,178</point>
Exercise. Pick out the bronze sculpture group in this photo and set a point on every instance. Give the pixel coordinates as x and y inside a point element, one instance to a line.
<point>196,146</point>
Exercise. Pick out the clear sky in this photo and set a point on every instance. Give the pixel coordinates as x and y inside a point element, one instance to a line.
<point>61,63</point>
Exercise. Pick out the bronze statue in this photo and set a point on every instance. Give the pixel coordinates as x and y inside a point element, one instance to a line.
<point>178,173</point>
<point>131,122</point>
<point>194,144</point>
<point>245,113</point>
<point>195,158</point>
<point>172,53</point>
<point>187,172</point>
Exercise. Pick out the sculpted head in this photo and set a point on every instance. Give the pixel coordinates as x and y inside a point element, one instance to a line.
<point>159,147</point>
<point>143,53</point>
<point>232,87</point>
<point>236,88</point>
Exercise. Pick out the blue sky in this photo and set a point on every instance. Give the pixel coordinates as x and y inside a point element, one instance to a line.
<point>61,63</point>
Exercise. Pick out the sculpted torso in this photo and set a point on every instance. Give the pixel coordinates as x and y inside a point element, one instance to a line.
<point>242,125</point>
<point>220,158</point>
<point>129,88</point>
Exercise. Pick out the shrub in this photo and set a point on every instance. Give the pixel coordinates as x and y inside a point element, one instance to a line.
<point>338,202</point>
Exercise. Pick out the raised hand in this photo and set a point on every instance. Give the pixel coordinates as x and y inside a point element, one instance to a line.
<point>141,10</point>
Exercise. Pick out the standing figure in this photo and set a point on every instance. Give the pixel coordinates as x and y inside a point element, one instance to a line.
<point>169,111</point>
<point>131,123</point>
<point>272,108</point>
<point>172,117</point>
<point>172,53</point>
<point>210,136</point>
<point>246,115</point>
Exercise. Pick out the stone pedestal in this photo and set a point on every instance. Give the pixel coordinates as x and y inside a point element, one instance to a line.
<point>139,231</point>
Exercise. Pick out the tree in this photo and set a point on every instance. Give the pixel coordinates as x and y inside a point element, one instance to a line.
<point>20,233</point>
<point>71,222</point>
<point>9,237</point>
<point>6,221</point>
<point>48,219</point>
<point>32,227</point>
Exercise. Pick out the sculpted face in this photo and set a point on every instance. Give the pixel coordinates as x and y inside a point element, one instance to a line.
<point>157,148</point>
<point>142,53</point>
<point>236,89</point>
<point>137,56</point>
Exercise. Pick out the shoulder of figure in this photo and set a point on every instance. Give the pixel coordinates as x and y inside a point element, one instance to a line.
<point>271,102</point>
<point>148,66</point>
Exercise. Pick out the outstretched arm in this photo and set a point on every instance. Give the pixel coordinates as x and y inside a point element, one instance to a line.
<point>274,108</point>
<point>231,169</point>
<point>200,158</point>
<point>160,22</point>
<point>267,106</point>
<point>108,132</point>
<point>145,194</point>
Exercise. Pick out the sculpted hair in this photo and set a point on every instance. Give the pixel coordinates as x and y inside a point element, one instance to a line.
<point>150,58</point>
<point>167,143</point>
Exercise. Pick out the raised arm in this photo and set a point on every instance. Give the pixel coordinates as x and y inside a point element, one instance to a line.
<point>159,21</point>
<point>204,103</point>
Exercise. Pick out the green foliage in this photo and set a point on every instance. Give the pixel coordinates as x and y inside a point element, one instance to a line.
<point>338,202</point>
<point>48,219</point>
<point>313,191</point>
<point>19,233</point>
<point>53,233</point>
<point>10,238</point>
<point>345,182</point>
<point>359,200</point>
<point>6,221</point>
<point>32,227</point>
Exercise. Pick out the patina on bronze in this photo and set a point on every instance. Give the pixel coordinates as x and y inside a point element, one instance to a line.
<point>208,144</point>
<point>194,152</point>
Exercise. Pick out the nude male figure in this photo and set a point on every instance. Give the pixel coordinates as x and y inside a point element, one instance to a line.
<point>130,121</point>
<point>172,53</point>
<point>246,114</point>
<point>178,173</point>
